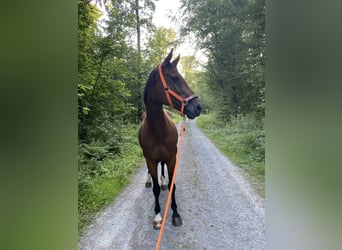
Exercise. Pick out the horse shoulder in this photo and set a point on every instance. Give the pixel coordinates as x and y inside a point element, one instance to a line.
<point>171,126</point>
<point>142,131</point>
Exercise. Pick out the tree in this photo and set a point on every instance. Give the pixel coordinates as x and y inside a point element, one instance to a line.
<point>197,80</point>
<point>103,71</point>
<point>232,32</point>
<point>133,17</point>
<point>88,15</point>
<point>158,45</point>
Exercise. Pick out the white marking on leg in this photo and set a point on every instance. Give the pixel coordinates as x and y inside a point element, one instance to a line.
<point>157,221</point>
<point>163,181</point>
<point>149,178</point>
<point>158,218</point>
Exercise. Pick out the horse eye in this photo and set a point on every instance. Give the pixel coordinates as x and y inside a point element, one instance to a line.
<point>174,78</point>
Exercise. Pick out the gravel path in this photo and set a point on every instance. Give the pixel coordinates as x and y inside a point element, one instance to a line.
<point>218,207</point>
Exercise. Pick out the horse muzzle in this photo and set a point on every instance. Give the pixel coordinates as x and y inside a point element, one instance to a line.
<point>193,108</point>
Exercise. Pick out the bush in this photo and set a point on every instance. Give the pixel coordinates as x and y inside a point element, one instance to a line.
<point>104,169</point>
<point>242,139</point>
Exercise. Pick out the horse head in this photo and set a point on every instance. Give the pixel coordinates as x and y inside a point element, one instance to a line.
<point>174,91</point>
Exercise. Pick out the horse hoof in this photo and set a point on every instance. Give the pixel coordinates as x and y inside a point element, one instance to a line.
<point>177,221</point>
<point>164,187</point>
<point>148,184</point>
<point>156,225</point>
<point>157,221</point>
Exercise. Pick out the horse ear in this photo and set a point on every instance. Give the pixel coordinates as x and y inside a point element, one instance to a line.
<point>175,62</point>
<point>168,58</point>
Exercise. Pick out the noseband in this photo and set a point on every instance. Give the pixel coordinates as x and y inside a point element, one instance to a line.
<point>169,91</point>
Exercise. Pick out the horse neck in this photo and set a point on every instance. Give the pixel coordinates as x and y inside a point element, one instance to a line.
<point>155,117</point>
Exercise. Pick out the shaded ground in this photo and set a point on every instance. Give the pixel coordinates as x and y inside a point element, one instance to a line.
<point>218,207</point>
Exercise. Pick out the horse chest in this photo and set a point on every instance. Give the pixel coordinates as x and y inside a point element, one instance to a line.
<point>159,150</point>
<point>162,152</point>
<point>158,139</point>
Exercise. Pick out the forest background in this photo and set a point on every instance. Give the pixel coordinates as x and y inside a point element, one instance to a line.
<point>116,55</point>
<point>39,122</point>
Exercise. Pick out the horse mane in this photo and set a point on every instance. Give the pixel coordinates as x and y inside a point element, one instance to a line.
<point>149,83</point>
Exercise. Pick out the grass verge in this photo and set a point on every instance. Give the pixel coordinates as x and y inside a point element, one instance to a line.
<point>104,171</point>
<point>104,174</point>
<point>242,140</point>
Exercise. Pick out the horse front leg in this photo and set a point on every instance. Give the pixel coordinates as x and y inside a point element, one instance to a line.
<point>176,218</point>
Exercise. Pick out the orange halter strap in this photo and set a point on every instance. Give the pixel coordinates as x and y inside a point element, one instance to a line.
<point>169,91</point>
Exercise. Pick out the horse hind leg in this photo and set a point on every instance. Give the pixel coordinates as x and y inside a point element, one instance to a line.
<point>148,183</point>
<point>162,177</point>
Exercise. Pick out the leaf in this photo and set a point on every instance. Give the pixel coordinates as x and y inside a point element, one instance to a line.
<point>85,110</point>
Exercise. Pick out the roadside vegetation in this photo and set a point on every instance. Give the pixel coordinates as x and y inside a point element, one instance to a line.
<point>231,83</point>
<point>243,141</point>
<point>105,171</point>
<point>112,72</point>
<point>113,67</point>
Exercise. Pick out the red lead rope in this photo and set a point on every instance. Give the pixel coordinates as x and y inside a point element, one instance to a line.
<point>172,184</point>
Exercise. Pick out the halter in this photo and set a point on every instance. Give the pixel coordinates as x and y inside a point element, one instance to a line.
<point>169,91</point>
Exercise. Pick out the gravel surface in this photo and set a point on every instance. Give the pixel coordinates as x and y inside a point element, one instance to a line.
<point>218,207</point>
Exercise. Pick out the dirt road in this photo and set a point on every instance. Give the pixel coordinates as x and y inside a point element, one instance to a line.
<point>218,207</point>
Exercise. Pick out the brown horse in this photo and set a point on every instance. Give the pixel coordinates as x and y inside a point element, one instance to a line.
<point>158,134</point>
<point>148,183</point>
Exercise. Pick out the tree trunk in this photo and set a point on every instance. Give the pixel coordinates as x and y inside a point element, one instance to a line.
<point>139,96</point>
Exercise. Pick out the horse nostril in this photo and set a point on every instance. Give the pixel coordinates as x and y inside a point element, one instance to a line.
<point>199,107</point>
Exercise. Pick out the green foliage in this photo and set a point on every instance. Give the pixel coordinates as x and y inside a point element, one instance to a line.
<point>112,71</point>
<point>233,35</point>
<point>104,169</point>
<point>231,85</point>
<point>242,140</point>
<point>111,78</point>
<point>158,45</point>
<point>93,196</point>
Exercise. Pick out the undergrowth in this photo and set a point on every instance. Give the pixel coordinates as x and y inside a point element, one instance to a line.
<point>105,168</point>
<point>104,171</point>
<point>241,139</point>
